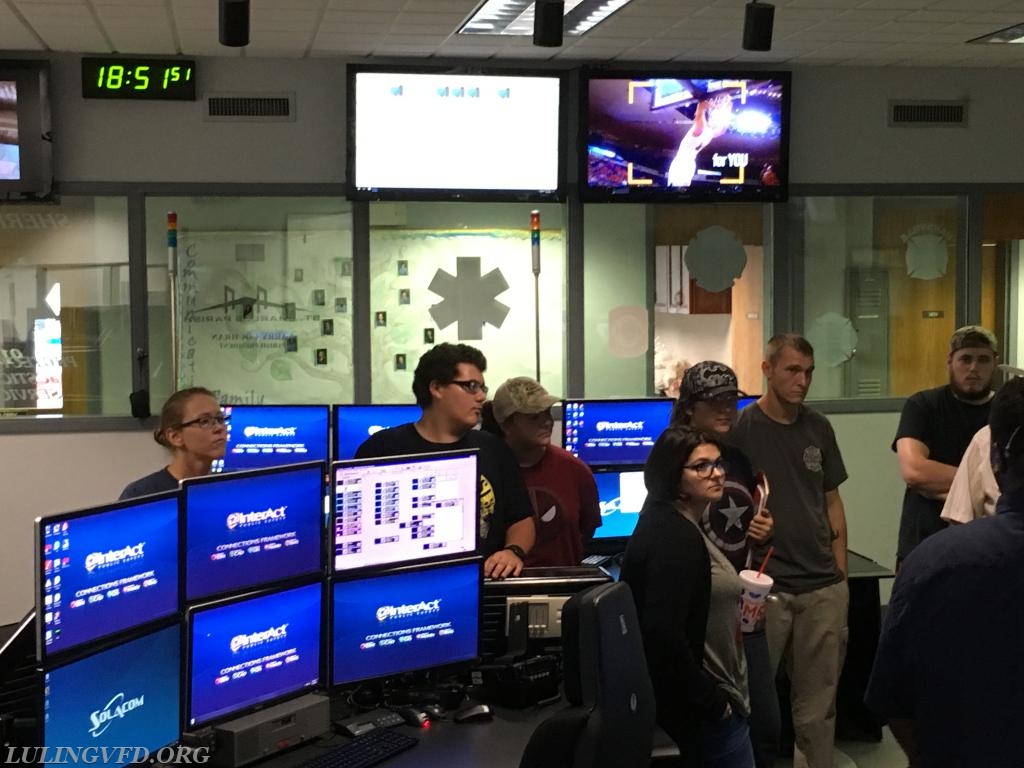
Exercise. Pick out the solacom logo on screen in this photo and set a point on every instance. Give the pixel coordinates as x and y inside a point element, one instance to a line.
<point>171,755</point>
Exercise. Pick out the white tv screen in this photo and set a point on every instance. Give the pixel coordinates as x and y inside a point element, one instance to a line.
<point>453,132</point>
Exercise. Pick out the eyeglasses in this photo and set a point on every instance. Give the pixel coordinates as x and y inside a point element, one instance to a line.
<point>206,422</point>
<point>472,386</point>
<point>706,469</point>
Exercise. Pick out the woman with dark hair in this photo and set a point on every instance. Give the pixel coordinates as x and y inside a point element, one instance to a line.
<point>668,568</point>
<point>194,429</point>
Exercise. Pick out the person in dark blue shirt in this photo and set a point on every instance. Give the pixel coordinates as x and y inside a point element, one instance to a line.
<point>949,672</point>
<point>194,429</point>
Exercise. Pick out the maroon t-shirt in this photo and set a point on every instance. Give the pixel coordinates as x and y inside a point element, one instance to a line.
<point>564,496</point>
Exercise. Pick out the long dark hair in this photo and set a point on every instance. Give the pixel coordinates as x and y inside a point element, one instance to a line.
<point>665,462</point>
<point>174,410</point>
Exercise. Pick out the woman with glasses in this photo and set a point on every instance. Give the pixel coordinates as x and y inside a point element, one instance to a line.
<point>194,429</point>
<point>562,488</point>
<point>669,570</point>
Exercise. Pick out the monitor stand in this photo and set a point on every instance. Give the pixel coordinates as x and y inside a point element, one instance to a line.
<point>264,733</point>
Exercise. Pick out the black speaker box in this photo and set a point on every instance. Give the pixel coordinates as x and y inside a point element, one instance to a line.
<point>234,23</point>
<point>548,19</point>
<point>757,27</point>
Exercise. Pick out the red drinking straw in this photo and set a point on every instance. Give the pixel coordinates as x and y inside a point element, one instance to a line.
<point>765,561</point>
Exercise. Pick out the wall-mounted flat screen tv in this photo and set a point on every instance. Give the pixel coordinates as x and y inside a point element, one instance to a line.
<point>691,136</point>
<point>26,167</point>
<point>454,135</point>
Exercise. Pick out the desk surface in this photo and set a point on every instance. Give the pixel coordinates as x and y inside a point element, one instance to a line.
<point>495,744</point>
<point>864,568</point>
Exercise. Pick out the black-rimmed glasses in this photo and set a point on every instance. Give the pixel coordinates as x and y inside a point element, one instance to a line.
<point>206,421</point>
<point>472,386</point>
<point>706,469</point>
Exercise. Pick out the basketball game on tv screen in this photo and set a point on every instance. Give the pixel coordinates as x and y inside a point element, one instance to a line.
<point>712,138</point>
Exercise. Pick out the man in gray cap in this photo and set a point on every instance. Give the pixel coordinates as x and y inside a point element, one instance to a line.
<point>935,429</point>
<point>562,488</point>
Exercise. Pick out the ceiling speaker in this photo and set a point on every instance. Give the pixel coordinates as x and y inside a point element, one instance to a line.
<point>548,19</point>
<point>757,26</point>
<point>234,23</point>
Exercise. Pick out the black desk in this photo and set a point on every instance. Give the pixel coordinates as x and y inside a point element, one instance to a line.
<point>495,744</point>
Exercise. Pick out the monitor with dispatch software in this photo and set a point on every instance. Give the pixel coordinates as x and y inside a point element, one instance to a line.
<point>246,529</point>
<point>105,570</point>
<point>603,432</point>
<point>353,424</point>
<point>413,619</point>
<point>246,652</point>
<point>396,510</point>
<point>271,435</point>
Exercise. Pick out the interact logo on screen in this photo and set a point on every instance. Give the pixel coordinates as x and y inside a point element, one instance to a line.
<point>269,515</point>
<point>269,431</point>
<point>243,642</point>
<point>620,426</point>
<point>113,557</point>
<point>116,708</point>
<point>422,608</point>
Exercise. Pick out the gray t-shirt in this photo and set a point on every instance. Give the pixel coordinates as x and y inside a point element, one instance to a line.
<point>724,657</point>
<point>802,463</point>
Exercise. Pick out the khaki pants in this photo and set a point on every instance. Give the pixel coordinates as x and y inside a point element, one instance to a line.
<point>809,633</point>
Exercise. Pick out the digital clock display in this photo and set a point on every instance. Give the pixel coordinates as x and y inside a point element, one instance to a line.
<point>117,78</point>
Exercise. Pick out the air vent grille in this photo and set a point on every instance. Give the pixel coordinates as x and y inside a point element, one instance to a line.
<point>250,107</point>
<point>928,113</point>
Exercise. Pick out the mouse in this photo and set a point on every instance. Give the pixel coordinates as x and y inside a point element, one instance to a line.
<point>474,713</point>
<point>434,711</point>
<point>412,716</point>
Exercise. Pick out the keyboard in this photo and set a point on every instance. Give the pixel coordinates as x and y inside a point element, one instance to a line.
<point>357,725</point>
<point>370,749</point>
<point>597,560</point>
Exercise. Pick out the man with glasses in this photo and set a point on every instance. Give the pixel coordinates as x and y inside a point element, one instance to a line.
<point>449,386</point>
<point>562,487</point>
<point>796,448</point>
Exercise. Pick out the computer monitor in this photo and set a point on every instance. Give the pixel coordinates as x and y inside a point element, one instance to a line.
<point>412,619</point>
<point>602,432</point>
<point>743,402</point>
<point>545,591</point>
<point>247,529</point>
<point>405,508</point>
<point>271,435</point>
<point>127,696</point>
<point>354,423</point>
<point>104,570</point>
<point>246,652</point>
<point>621,493</point>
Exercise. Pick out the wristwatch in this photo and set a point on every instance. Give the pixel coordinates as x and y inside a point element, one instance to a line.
<point>516,550</point>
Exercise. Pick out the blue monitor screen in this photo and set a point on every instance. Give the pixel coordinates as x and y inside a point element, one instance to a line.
<point>105,570</point>
<point>621,494</point>
<point>251,528</point>
<point>743,402</point>
<point>127,696</point>
<point>271,435</point>
<point>253,651</point>
<point>613,431</point>
<point>403,622</point>
<point>354,423</point>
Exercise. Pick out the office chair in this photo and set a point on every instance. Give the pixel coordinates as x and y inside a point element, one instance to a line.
<point>610,719</point>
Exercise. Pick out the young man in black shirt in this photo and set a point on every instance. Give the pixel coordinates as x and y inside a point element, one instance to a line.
<point>449,387</point>
<point>936,427</point>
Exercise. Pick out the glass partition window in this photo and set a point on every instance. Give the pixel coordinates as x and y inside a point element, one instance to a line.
<point>263,292</point>
<point>462,273</point>
<point>65,345</point>
<point>879,291</point>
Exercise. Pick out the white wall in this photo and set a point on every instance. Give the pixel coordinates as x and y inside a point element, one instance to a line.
<point>45,474</point>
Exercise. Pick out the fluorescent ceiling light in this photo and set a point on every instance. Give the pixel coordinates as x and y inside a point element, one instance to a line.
<point>515,17</point>
<point>1014,34</point>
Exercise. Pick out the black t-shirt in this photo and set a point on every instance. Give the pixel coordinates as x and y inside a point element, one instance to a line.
<point>158,482</point>
<point>946,425</point>
<point>503,496</point>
